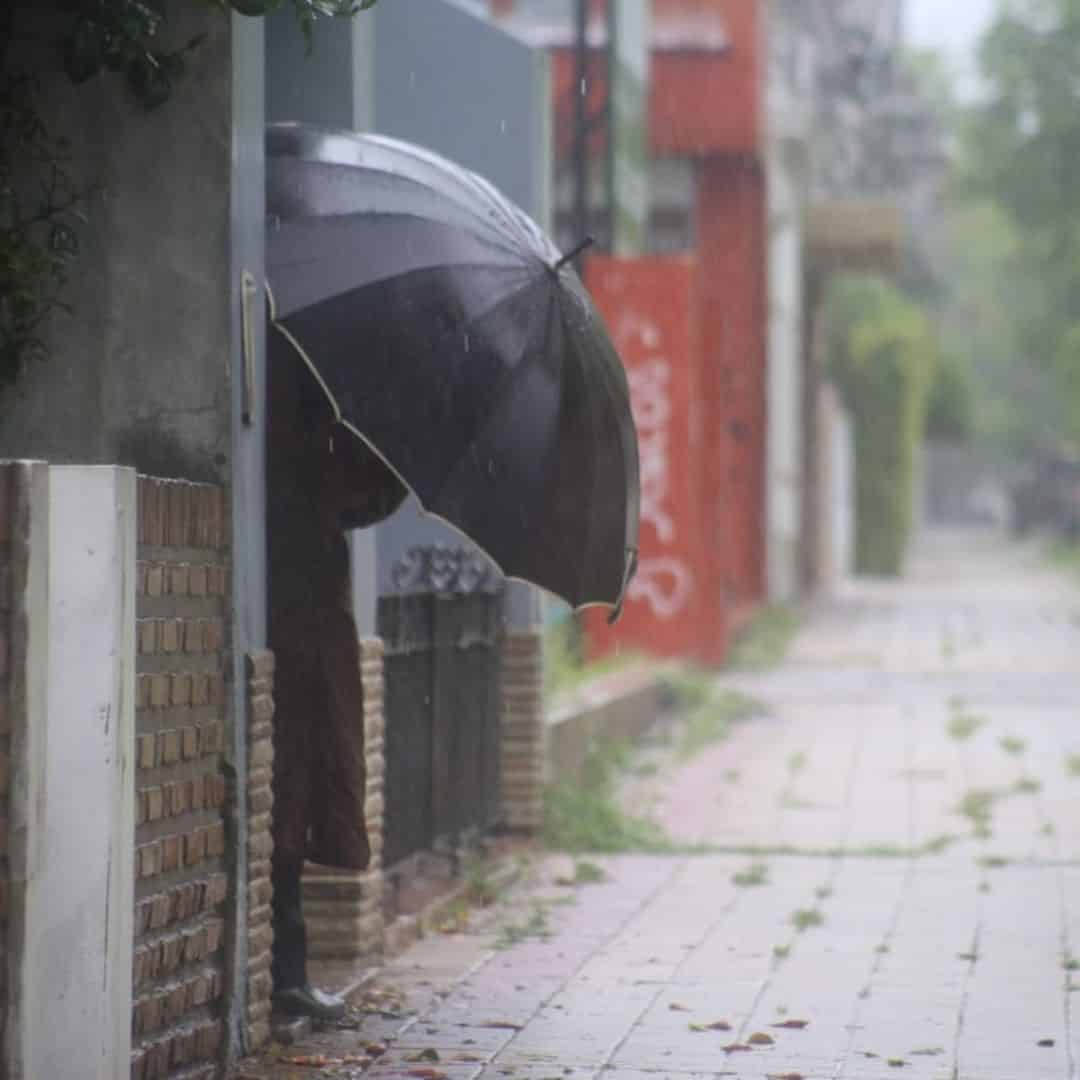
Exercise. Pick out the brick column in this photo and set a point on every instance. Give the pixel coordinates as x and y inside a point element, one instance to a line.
<point>260,802</point>
<point>182,708</point>
<point>343,908</point>
<point>523,734</point>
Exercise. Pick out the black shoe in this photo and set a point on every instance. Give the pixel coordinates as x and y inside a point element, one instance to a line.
<point>308,1001</point>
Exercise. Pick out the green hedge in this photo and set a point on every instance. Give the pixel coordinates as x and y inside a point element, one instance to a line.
<point>882,357</point>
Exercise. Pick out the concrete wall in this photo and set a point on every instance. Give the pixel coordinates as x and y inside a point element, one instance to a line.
<point>138,374</point>
<point>77,1001</point>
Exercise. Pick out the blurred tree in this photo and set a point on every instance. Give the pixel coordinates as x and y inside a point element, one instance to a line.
<point>1017,177</point>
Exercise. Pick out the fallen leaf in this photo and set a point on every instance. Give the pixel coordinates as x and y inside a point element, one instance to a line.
<point>930,1051</point>
<point>759,1038</point>
<point>469,1057</point>
<point>428,1074</point>
<point>502,1025</point>
<point>735,1048</point>
<point>794,1025</point>
<point>315,1061</point>
<point>785,1076</point>
<point>424,1055</point>
<point>374,1049</point>
<point>1045,1042</point>
<point>716,1025</point>
<point>677,1006</point>
<point>897,1063</point>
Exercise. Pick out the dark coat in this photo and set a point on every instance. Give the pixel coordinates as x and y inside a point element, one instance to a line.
<point>320,477</point>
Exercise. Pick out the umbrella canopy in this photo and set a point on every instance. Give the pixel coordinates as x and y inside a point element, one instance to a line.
<point>450,336</point>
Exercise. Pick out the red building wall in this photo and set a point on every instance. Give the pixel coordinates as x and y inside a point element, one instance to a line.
<point>732,251</point>
<point>701,101</point>
<point>707,102</point>
<point>649,305</point>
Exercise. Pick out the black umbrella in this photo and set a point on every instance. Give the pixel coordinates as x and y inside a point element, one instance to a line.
<point>449,334</point>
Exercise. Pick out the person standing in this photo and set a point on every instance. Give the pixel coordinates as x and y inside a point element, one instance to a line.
<point>322,479</point>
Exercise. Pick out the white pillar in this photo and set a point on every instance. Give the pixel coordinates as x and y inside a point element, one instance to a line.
<point>79,931</point>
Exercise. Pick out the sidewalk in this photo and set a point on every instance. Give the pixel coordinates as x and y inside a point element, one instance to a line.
<point>892,883</point>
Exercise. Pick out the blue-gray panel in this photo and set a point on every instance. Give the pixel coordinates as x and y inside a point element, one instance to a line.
<point>448,79</point>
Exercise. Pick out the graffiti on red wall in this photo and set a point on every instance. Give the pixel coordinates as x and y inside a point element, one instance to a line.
<point>664,582</point>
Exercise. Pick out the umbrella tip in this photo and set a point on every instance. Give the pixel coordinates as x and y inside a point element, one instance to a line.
<point>629,571</point>
<point>574,252</point>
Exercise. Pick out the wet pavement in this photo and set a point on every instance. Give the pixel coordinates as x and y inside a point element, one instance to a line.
<point>885,879</point>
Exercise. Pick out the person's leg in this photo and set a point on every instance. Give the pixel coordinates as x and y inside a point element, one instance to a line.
<point>298,708</point>
<point>338,830</point>
<point>289,967</point>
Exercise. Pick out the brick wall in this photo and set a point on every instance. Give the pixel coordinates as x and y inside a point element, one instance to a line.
<point>342,908</point>
<point>181,882</point>
<point>260,803</point>
<point>522,729</point>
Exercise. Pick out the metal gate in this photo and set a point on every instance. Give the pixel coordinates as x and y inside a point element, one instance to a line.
<point>442,705</point>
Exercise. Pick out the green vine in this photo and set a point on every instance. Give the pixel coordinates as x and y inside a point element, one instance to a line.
<point>40,199</point>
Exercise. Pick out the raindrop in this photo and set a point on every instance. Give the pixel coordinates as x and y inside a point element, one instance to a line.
<point>502,126</point>
<point>466,342</point>
<point>584,88</point>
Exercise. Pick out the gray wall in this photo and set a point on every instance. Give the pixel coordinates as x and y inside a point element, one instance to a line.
<point>138,374</point>
<point>448,79</point>
<point>330,83</point>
